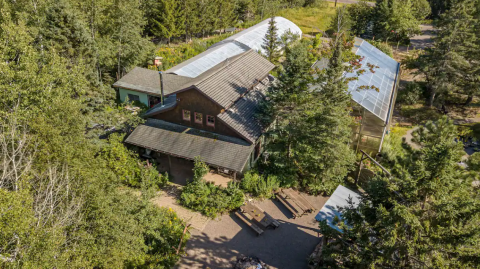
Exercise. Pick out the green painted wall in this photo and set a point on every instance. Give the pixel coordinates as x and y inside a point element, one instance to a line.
<point>124,93</point>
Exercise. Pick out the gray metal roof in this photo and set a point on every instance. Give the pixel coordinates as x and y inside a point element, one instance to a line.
<point>241,116</point>
<point>339,198</point>
<point>251,38</point>
<point>384,79</point>
<point>148,81</point>
<point>235,77</point>
<point>177,140</point>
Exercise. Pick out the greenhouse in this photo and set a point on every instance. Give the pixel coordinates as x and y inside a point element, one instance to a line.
<point>373,108</point>
<point>251,38</point>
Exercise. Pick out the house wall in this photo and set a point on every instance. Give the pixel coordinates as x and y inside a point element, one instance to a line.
<point>124,93</point>
<point>194,101</point>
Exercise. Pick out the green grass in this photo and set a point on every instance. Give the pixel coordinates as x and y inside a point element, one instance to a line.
<point>311,19</point>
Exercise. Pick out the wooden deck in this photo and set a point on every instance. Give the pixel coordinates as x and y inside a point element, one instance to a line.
<point>295,202</point>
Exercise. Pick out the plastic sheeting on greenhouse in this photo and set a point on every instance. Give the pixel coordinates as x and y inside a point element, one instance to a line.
<point>383,78</point>
<point>251,38</point>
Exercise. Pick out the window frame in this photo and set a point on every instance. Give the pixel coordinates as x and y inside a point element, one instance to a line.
<point>137,97</point>
<point>211,124</point>
<point>195,118</point>
<point>189,115</point>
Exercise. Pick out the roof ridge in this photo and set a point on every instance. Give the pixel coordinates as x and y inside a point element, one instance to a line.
<point>224,66</point>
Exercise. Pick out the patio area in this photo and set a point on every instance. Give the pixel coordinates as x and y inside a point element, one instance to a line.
<point>222,241</point>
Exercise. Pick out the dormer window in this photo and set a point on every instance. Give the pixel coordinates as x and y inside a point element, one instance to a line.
<point>198,118</point>
<point>210,120</point>
<point>186,115</point>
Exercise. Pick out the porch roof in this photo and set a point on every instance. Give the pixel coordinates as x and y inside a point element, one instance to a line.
<point>185,142</point>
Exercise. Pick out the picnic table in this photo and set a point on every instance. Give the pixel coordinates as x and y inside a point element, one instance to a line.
<point>295,202</point>
<point>256,218</point>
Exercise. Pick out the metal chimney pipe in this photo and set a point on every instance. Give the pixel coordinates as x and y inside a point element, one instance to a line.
<point>161,85</point>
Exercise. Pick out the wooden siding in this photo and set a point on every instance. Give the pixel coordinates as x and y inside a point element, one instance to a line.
<point>194,101</point>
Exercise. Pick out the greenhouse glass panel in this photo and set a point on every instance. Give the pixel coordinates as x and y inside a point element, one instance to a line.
<point>383,78</point>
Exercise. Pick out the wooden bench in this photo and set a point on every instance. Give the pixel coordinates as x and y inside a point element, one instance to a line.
<point>295,202</point>
<point>257,229</point>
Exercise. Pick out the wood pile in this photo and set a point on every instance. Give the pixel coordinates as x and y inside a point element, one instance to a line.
<point>244,262</point>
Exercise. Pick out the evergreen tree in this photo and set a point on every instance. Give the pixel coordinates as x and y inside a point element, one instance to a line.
<point>424,216</point>
<point>271,42</point>
<point>395,20</point>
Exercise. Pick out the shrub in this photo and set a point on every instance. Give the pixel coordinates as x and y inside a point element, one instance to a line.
<point>127,167</point>
<point>411,94</point>
<point>209,199</point>
<point>206,197</point>
<point>473,162</point>
<point>259,186</point>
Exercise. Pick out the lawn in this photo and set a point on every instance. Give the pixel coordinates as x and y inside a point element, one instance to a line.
<point>311,19</point>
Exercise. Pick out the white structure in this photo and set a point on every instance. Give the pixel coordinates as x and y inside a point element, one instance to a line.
<point>339,198</point>
<point>251,38</point>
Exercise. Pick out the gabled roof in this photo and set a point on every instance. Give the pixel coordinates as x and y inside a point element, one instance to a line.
<point>251,38</point>
<point>234,78</point>
<point>383,78</point>
<point>241,116</point>
<point>177,140</point>
<point>148,81</point>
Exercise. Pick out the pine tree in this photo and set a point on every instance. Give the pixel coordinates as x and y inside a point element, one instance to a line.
<point>425,216</point>
<point>271,42</point>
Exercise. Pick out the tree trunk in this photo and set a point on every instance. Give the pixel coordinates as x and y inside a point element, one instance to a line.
<point>469,99</point>
<point>432,98</point>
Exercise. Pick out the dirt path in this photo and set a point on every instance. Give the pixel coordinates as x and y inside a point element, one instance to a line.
<point>168,199</point>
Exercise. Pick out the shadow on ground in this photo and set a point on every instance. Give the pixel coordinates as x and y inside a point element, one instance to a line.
<point>224,240</point>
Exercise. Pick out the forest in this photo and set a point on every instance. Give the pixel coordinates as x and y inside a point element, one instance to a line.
<point>73,195</point>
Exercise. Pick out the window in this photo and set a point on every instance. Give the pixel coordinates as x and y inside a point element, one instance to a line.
<point>210,120</point>
<point>133,97</point>
<point>186,115</point>
<point>198,118</point>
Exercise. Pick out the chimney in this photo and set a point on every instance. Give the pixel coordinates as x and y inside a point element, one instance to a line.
<point>161,86</point>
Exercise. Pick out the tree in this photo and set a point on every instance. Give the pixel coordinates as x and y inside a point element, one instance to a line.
<point>449,66</point>
<point>311,123</point>
<point>271,42</point>
<point>360,15</point>
<point>423,216</point>
<point>395,19</point>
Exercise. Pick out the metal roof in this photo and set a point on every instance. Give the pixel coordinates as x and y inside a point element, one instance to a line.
<point>251,38</point>
<point>148,81</point>
<point>185,142</point>
<point>339,198</point>
<point>235,78</point>
<point>377,102</point>
<point>241,116</point>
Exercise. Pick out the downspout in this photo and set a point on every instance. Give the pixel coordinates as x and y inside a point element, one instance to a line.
<point>390,109</point>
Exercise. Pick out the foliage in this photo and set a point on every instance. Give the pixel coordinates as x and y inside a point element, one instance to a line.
<point>360,15</point>
<point>424,216</point>
<point>395,19</point>
<point>258,185</point>
<point>411,94</point>
<point>308,142</point>
<point>271,42</point>
<point>383,47</point>
<point>450,65</point>
<point>126,166</point>
<point>473,162</point>
<point>206,197</point>
<point>59,189</point>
